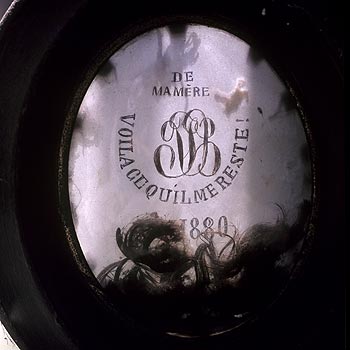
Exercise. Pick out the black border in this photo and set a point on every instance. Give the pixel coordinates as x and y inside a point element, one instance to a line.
<point>92,68</point>
<point>45,299</point>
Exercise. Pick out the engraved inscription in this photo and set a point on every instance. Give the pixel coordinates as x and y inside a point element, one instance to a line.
<point>188,151</point>
<point>192,152</point>
<point>181,90</point>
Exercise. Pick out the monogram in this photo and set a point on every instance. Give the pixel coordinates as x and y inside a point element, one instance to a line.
<point>187,150</point>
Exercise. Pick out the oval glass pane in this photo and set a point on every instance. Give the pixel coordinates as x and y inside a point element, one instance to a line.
<point>190,180</point>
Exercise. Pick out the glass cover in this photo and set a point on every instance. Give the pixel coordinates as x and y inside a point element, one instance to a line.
<point>190,180</point>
